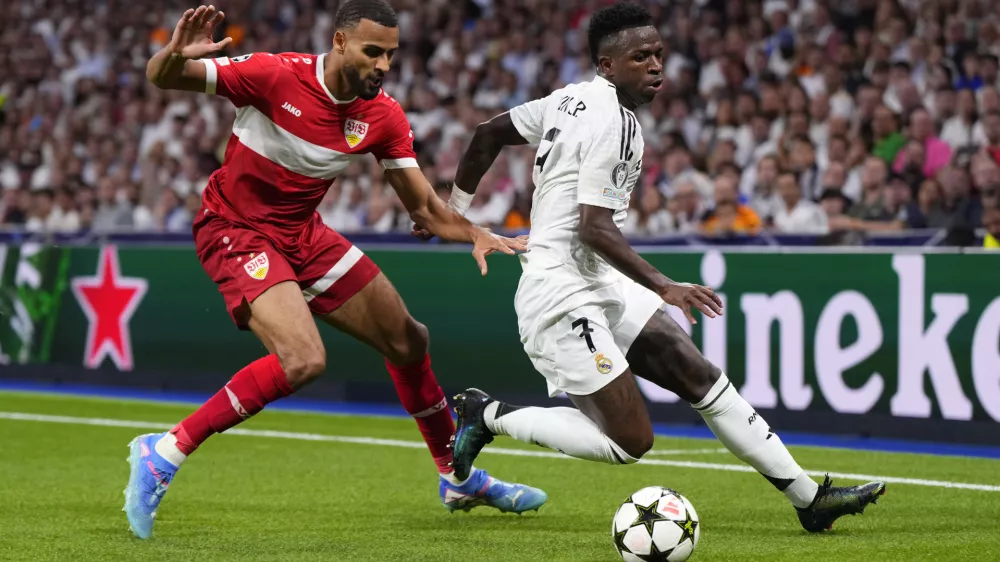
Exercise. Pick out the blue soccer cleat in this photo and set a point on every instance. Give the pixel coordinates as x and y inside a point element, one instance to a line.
<point>148,480</point>
<point>482,489</point>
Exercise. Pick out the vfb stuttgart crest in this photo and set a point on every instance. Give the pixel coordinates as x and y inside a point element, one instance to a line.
<point>256,266</point>
<point>355,131</point>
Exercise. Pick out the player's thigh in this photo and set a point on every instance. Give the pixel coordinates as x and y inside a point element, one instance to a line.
<point>665,355</point>
<point>377,316</point>
<point>345,289</point>
<point>579,356</point>
<point>281,319</point>
<point>261,293</point>
<point>620,411</point>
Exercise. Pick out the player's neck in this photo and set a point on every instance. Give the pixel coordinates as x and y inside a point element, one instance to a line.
<point>336,82</point>
<point>623,98</point>
<point>627,102</point>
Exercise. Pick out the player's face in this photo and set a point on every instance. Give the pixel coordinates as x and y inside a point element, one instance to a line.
<point>636,68</point>
<point>367,54</point>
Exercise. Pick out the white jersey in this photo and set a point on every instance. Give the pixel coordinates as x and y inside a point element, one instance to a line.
<point>577,315</point>
<point>589,152</point>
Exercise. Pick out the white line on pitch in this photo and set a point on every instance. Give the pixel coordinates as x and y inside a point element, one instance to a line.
<point>673,452</point>
<point>492,450</point>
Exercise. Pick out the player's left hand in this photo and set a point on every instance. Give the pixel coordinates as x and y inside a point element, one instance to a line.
<point>518,243</point>
<point>687,295</point>
<point>421,233</point>
<point>486,243</point>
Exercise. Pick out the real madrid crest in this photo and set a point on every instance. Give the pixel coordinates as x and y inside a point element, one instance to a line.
<point>604,365</point>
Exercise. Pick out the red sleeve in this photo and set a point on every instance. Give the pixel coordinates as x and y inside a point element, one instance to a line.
<point>243,79</point>
<point>395,150</point>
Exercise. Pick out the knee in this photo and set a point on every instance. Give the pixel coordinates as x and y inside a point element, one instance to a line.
<point>409,346</point>
<point>637,444</point>
<point>303,365</point>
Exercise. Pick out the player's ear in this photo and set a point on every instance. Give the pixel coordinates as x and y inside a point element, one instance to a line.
<point>339,42</point>
<point>605,65</point>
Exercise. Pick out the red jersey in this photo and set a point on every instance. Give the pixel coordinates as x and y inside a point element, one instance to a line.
<point>291,139</point>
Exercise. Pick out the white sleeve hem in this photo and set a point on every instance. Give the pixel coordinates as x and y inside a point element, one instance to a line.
<point>602,202</point>
<point>398,163</point>
<point>523,130</point>
<point>211,76</point>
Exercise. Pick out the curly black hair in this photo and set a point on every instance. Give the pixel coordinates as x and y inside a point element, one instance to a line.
<point>608,22</point>
<point>352,12</point>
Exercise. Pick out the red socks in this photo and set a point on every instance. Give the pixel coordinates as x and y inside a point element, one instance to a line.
<point>263,382</point>
<point>421,396</point>
<point>255,386</point>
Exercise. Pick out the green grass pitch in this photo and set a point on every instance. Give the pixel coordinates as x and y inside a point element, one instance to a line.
<point>260,497</point>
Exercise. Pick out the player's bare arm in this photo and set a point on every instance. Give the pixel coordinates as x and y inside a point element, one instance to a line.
<point>599,231</point>
<point>487,142</point>
<point>176,66</point>
<point>427,209</point>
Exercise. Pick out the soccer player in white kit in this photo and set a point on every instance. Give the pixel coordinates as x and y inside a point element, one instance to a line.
<point>590,309</point>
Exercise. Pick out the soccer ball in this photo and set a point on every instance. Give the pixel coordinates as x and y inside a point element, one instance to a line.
<point>655,524</point>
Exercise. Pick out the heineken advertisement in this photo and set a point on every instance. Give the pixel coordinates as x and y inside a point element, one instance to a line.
<point>903,336</point>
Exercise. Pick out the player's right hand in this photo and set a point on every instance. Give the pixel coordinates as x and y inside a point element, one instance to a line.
<point>192,37</point>
<point>486,243</point>
<point>686,295</point>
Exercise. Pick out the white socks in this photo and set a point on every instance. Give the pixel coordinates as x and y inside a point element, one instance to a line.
<point>748,436</point>
<point>452,479</point>
<point>166,447</point>
<point>566,430</point>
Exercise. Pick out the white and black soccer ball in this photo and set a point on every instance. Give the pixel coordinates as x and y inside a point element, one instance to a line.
<point>655,524</point>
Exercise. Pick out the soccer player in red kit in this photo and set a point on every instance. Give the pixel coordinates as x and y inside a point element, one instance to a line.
<point>301,120</point>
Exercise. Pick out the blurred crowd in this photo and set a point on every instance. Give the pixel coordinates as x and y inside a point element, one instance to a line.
<point>835,118</point>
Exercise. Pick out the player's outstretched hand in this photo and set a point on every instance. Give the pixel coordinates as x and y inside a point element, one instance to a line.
<point>192,37</point>
<point>485,244</point>
<point>687,295</point>
<point>518,243</point>
<point>421,233</point>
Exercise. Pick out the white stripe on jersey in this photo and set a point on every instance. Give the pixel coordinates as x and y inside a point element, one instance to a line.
<point>261,135</point>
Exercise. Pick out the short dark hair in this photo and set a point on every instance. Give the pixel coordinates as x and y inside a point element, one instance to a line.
<point>351,12</point>
<point>613,19</point>
<point>783,173</point>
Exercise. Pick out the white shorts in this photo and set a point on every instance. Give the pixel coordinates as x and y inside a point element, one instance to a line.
<point>577,335</point>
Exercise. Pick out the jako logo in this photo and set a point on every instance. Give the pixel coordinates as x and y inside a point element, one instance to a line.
<point>291,109</point>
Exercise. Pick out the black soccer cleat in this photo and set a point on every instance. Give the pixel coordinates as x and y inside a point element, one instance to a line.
<point>832,503</point>
<point>471,434</point>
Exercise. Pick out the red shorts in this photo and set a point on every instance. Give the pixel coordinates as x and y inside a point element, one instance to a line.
<point>244,263</point>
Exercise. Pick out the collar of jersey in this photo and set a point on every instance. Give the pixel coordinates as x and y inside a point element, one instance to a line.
<point>320,60</point>
<point>602,80</point>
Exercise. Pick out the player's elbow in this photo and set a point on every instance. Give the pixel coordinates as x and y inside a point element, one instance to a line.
<point>486,136</point>
<point>424,217</point>
<point>153,77</point>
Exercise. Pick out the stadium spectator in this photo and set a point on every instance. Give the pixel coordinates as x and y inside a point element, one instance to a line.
<point>797,215</point>
<point>729,216</point>
<point>650,217</point>
<point>764,198</point>
<point>937,153</point>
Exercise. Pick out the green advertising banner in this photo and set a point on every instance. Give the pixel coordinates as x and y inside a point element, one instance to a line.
<point>905,334</point>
